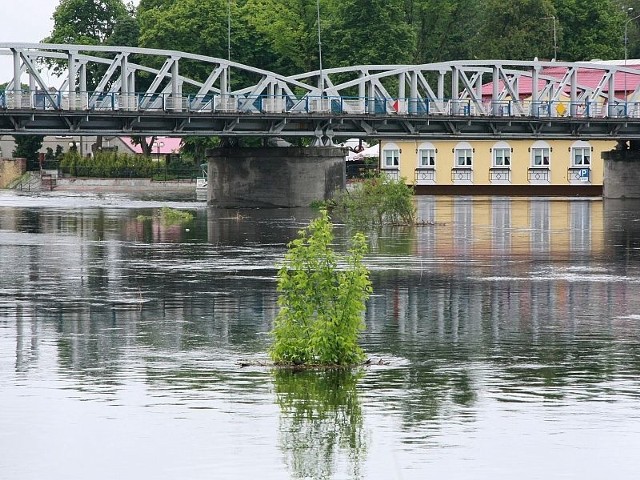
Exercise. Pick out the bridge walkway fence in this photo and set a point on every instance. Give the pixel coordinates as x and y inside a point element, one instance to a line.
<point>309,105</point>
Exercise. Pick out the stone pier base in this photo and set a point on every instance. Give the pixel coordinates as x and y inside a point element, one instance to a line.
<point>274,177</point>
<point>621,174</point>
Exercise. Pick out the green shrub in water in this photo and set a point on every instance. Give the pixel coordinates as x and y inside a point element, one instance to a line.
<point>321,304</point>
<point>375,201</point>
<point>171,216</point>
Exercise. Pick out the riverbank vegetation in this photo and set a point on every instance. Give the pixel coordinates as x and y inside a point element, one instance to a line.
<point>122,165</point>
<point>322,298</point>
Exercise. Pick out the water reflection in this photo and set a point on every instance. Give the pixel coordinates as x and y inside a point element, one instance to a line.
<point>492,306</point>
<point>321,420</point>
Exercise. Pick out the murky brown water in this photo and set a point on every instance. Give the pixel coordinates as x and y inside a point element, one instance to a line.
<point>511,328</point>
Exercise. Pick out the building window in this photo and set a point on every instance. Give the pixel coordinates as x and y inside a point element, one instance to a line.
<point>540,157</point>
<point>501,157</point>
<point>391,158</point>
<point>464,157</point>
<point>581,156</point>
<point>427,157</point>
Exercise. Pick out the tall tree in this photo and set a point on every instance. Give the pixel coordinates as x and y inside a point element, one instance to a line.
<point>291,30</point>
<point>516,30</point>
<point>446,30</point>
<point>28,146</point>
<point>593,29</point>
<point>126,33</point>
<point>85,22</point>
<point>368,32</point>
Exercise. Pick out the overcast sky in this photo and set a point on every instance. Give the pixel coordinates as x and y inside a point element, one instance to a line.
<point>27,21</point>
<point>24,21</point>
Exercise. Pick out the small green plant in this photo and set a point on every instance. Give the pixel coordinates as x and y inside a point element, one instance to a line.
<point>375,201</point>
<point>171,216</point>
<point>321,304</point>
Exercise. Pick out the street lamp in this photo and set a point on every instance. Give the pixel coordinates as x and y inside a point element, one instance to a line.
<point>320,48</point>
<point>555,36</point>
<point>626,42</point>
<point>626,31</point>
<point>229,44</point>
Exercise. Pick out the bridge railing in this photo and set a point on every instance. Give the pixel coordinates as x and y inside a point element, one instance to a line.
<point>309,104</point>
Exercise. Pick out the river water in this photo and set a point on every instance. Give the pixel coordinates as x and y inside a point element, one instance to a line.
<point>504,336</point>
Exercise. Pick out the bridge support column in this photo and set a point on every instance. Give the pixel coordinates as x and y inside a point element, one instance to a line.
<point>621,173</point>
<point>274,177</point>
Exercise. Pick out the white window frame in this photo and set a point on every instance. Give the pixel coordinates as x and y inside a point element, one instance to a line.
<point>502,152</point>
<point>428,154</point>
<point>391,156</point>
<point>541,155</point>
<point>581,155</point>
<point>463,156</point>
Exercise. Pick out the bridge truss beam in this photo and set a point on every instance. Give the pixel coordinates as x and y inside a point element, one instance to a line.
<point>125,90</point>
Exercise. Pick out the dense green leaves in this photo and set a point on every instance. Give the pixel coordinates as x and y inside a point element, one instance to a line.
<point>282,35</point>
<point>107,165</point>
<point>518,30</point>
<point>28,146</point>
<point>376,201</point>
<point>322,300</point>
<point>86,22</point>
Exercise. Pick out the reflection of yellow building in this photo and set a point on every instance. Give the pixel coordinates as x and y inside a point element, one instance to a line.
<point>484,227</point>
<point>505,167</point>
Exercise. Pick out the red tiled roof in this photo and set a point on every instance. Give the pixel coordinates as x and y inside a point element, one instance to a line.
<point>587,77</point>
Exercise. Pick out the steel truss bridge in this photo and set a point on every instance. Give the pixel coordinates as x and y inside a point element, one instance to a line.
<point>134,91</point>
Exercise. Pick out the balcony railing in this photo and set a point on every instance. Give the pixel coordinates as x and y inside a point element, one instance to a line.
<point>392,173</point>
<point>425,175</point>
<point>579,175</point>
<point>461,175</point>
<point>500,175</point>
<point>539,175</point>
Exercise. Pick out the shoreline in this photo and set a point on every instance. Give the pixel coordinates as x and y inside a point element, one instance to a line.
<point>123,184</point>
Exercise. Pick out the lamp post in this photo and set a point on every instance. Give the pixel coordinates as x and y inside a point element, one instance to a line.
<point>555,36</point>
<point>320,48</point>
<point>229,43</point>
<point>626,42</point>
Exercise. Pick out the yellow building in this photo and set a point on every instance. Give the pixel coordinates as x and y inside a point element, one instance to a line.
<point>530,166</point>
<point>506,167</point>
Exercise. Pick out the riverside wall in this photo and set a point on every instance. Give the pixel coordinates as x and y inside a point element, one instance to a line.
<point>11,169</point>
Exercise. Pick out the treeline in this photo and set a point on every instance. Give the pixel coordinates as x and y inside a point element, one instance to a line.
<point>282,35</point>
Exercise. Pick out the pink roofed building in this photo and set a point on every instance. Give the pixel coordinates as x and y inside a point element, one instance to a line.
<point>161,145</point>
<point>624,84</point>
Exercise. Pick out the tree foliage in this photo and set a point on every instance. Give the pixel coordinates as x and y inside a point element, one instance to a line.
<point>321,304</point>
<point>86,22</point>
<point>28,146</point>
<point>282,35</point>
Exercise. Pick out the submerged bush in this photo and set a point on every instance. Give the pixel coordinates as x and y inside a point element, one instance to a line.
<point>321,305</point>
<point>172,216</point>
<point>375,201</point>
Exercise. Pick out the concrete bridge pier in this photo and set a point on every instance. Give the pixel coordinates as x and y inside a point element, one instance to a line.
<point>274,177</point>
<point>622,171</point>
